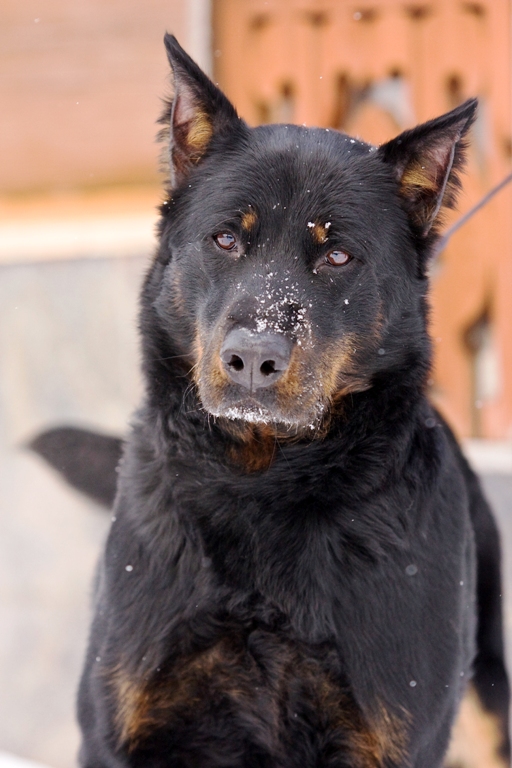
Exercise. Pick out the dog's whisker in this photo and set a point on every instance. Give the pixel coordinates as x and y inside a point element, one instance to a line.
<point>171,357</point>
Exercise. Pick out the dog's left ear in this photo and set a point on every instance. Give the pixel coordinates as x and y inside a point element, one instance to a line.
<point>197,111</point>
<point>427,161</point>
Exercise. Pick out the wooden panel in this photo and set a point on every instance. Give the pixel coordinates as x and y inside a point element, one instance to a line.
<point>80,89</point>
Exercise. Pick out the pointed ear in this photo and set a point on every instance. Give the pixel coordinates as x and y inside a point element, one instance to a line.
<point>427,161</point>
<point>197,111</point>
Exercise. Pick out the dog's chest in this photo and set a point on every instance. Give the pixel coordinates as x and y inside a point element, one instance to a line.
<point>303,554</point>
<point>259,692</point>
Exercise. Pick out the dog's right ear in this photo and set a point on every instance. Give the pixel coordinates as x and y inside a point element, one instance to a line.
<point>197,111</point>
<point>427,162</point>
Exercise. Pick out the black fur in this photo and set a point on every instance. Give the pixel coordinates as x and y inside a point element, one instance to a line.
<point>291,578</point>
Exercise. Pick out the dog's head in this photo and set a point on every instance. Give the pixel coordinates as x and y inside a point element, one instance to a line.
<point>292,265</point>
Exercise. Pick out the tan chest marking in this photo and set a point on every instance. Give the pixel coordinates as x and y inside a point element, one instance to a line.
<point>256,452</point>
<point>226,671</point>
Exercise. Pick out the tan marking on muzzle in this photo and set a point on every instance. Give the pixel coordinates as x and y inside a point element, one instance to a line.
<point>339,364</point>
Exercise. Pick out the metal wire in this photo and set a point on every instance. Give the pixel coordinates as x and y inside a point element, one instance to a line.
<point>442,243</point>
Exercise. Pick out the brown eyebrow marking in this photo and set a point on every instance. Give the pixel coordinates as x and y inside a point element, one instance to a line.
<point>319,231</point>
<point>249,219</point>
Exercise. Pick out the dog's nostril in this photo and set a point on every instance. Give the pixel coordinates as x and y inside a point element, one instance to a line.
<point>236,363</point>
<point>255,360</point>
<point>268,367</point>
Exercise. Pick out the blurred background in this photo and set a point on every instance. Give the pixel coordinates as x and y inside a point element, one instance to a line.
<point>80,89</point>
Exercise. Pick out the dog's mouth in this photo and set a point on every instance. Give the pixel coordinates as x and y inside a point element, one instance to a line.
<point>258,378</point>
<point>252,411</point>
<point>270,380</point>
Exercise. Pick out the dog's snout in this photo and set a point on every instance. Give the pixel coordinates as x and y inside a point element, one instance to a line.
<point>255,360</point>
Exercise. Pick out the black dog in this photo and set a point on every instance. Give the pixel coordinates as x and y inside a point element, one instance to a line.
<point>299,551</point>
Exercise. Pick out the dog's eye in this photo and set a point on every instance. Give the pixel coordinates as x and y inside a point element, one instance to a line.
<point>225,240</point>
<point>337,258</point>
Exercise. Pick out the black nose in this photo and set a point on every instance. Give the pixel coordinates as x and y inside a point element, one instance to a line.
<point>255,360</point>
